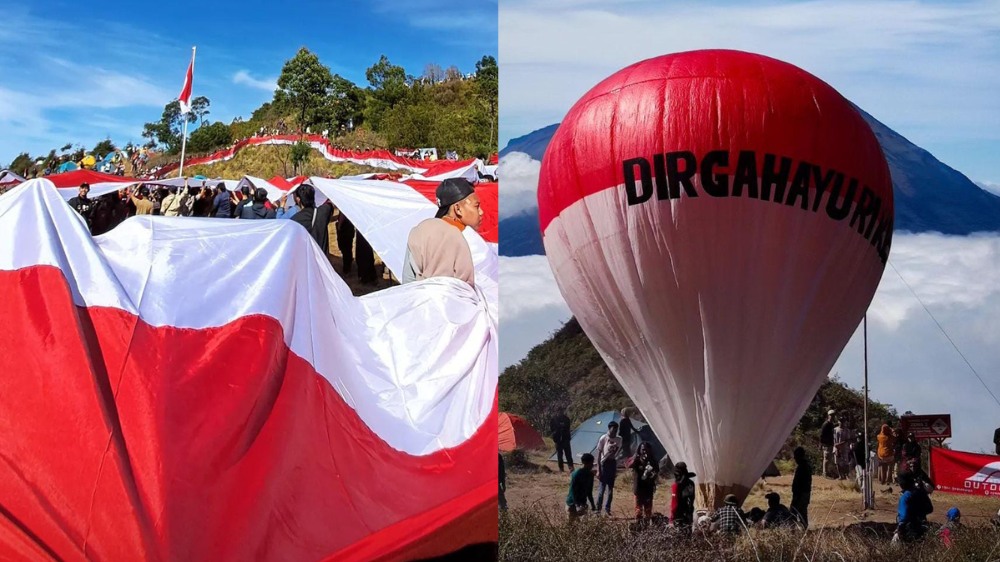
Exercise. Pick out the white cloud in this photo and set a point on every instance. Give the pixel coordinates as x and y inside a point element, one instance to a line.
<point>928,70</point>
<point>992,187</point>
<point>911,363</point>
<point>520,183</point>
<point>267,84</point>
<point>531,307</point>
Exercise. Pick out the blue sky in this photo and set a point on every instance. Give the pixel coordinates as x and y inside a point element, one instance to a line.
<point>928,70</point>
<point>80,75</point>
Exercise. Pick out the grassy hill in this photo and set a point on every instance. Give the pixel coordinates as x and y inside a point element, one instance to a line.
<point>269,161</point>
<point>567,371</point>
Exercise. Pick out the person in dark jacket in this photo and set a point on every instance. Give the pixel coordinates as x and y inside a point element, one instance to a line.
<point>559,426</point>
<point>502,477</point>
<point>257,209</point>
<point>914,507</point>
<point>366,261</point>
<point>83,204</point>
<point>245,198</point>
<point>801,487</point>
<point>315,219</point>
<point>826,443</point>
<point>682,497</point>
<point>626,429</point>
<point>777,515</point>
<point>911,449</point>
<point>645,470</point>
<point>581,488</point>
<point>860,450</point>
<point>345,241</point>
<point>222,207</point>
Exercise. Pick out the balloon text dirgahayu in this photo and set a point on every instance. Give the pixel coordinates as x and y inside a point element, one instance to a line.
<point>674,172</point>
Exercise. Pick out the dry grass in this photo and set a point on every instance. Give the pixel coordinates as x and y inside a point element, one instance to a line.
<point>269,161</point>
<point>536,528</point>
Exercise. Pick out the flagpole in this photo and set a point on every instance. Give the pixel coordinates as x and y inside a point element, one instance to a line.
<point>180,171</point>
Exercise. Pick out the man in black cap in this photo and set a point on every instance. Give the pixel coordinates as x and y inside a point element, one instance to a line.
<point>82,204</point>
<point>258,209</point>
<point>436,247</point>
<point>682,497</point>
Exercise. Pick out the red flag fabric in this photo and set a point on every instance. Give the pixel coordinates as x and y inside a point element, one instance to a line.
<point>185,97</point>
<point>959,472</point>
<point>148,415</point>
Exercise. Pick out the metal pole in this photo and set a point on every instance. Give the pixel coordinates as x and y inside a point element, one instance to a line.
<point>180,171</point>
<point>869,495</point>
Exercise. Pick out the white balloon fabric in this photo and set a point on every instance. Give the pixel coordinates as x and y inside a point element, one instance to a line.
<point>718,223</point>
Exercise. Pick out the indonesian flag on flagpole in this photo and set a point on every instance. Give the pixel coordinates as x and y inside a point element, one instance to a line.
<point>185,97</point>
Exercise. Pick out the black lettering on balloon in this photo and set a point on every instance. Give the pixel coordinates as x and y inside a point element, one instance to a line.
<point>776,177</point>
<point>645,177</point>
<point>800,186</point>
<point>822,182</point>
<point>676,177</point>
<point>746,174</point>
<point>717,184</point>
<point>836,207</point>
<point>660,171</point>
<point>863,209</point>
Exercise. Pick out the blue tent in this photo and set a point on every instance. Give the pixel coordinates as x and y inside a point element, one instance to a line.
<point>584,437</point>
<point>67,167</point>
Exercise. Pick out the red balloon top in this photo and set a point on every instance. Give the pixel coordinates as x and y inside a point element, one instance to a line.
<point>685,110</point>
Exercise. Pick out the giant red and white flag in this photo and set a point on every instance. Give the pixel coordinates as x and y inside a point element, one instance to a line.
<point>185,97</point>
<point>195,389</point>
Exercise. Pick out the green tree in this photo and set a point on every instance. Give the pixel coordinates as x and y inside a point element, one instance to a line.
<point>167,131</point>
<point>304,82</point>
<point>103,148</point>
<point>210,137</point>
<point>388,88</point>
<point>21,164</point>
<point>300,153</point>
<point>199,109</point>
<point>487,79</point>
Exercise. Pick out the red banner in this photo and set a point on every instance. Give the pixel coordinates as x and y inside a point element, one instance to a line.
<point>959,472</point>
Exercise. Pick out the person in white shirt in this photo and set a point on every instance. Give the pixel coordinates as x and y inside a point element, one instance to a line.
<point>607,465</point>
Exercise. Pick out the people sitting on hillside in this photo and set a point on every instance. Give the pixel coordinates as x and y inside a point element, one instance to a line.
<point>729,519</point>
<point>951,527</point>
<point>914,507</point>
<point>777,515</point>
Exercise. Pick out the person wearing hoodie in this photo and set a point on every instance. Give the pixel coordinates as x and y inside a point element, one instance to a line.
<point>258,209</point>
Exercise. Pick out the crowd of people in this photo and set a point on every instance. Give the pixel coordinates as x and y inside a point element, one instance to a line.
<point>104,213</point>
<point>897,461</point>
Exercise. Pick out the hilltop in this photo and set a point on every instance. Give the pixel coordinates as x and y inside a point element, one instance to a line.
<point>567,370</point>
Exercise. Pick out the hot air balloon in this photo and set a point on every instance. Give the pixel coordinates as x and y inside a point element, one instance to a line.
<point>718,222</point>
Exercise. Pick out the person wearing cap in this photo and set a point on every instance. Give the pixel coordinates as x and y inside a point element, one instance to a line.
<point>257,209</point>
<point>826,443</point>
<point>777,515</point>
<point>729,519</point>
<point>436,247</point>
<point>682,497</point>
<point>951,527</point>
<point>801,487</point>
<point>83,204</point>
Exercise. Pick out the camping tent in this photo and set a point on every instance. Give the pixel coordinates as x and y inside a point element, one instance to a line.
<point>8,178</point>
<point>514,432</point>
<point>584,439</point>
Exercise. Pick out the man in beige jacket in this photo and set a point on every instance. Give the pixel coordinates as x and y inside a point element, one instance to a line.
<point>436,247</point>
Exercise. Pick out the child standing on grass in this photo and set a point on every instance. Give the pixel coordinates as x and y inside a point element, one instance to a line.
<point>581,488</point>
